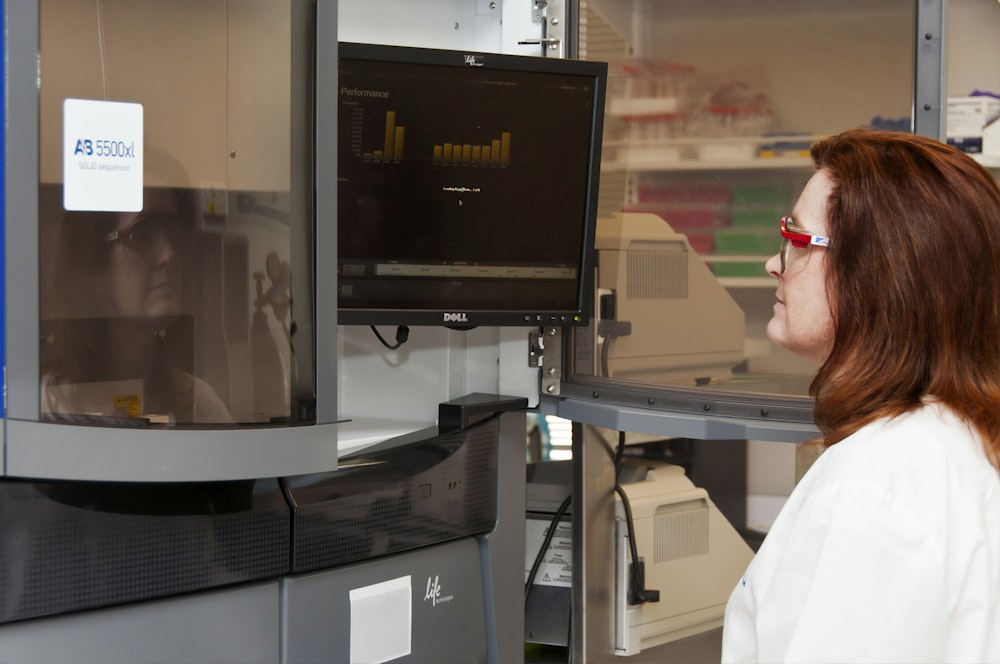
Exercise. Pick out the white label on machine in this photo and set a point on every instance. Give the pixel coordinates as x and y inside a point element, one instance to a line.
<point>557,565</point>
<point>102,156</point>
<point>381,621</point>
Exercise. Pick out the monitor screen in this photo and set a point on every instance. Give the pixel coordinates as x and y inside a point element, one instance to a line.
<point>467,187</point>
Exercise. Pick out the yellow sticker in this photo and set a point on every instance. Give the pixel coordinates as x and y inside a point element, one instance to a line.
<point>131,404</point>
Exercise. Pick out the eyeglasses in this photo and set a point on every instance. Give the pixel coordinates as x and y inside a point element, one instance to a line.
<point>145,237</point>
<point>793,236</point>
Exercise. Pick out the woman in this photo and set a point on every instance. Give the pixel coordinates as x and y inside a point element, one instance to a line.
<point>118,338</point>
<point>888,280</point>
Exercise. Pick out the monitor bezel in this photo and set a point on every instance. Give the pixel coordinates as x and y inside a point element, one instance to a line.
<point>581,312</point>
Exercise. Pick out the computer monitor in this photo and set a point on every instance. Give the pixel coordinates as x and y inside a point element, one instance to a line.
<point>467,187</point>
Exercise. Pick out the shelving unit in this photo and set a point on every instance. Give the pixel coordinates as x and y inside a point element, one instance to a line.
<point>747,282</point>
<point>720,192</point>
<point>682,154</point>
<point>648,161</point>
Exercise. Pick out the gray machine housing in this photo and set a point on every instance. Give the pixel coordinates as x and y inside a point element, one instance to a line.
<point>264,570</point>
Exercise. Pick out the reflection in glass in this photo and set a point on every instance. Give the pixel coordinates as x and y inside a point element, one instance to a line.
<point>120,339</point>
<point>180,313</point>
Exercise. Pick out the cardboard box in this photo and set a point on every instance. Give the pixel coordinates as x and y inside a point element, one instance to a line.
<point>966,118</point>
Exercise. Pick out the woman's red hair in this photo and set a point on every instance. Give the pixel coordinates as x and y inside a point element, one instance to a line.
<point>913,273</point>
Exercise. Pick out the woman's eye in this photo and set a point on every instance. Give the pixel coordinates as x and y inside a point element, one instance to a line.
<point>141,237</point>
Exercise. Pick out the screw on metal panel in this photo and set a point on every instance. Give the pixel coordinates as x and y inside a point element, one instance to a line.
<point>552,371</point>
<point>707,407</point>
<point>763,412</point>
<point>456,25</point>
<point>927,107</point>
<point>555,20</point>
<point>550,389</point>
<point>596,394</point>
<point>232,155</point>
<point>928,36</point>
<point>651,401</point>
<point>493,5</point>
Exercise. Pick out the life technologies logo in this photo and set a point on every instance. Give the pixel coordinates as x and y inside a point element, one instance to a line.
<point>433,592</point>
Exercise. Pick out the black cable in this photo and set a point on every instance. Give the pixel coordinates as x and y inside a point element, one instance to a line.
<point>545,546</point>
<point>637,577</point>
<point>610,328</point>
<point>402,334</point>
<point>619,454</point>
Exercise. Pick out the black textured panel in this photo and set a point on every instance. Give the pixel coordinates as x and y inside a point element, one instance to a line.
<point>67,546</point>
<point>394,500</point>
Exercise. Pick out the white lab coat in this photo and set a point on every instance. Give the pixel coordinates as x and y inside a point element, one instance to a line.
<point>888,550</point>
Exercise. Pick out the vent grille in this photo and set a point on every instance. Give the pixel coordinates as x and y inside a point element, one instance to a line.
<point>657,275</point>
<point>680,531</point>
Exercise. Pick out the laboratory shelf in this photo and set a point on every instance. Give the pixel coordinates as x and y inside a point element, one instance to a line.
<point>769,407</point>
<point>649,163</point>
<point>678,424</point>
<point>747,282</point>
<point>705,154</point>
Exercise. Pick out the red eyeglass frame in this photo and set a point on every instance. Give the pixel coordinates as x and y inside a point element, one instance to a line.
<point>797,237</point>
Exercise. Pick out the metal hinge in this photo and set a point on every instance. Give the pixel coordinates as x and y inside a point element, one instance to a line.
<point>545,353</point>
<point>552,16</point>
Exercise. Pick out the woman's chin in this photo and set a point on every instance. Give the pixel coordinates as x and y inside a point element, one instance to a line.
<point>164,308</point>
<point>773,331</point>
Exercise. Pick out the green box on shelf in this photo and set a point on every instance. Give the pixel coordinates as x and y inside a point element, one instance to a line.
<point>762,242</point>
<point>761,194</point>
<point>739,269</point>
<point>755,217</point>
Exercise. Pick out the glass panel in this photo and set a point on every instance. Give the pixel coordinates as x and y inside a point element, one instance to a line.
<point>712,107</point>
<point>171,199</point>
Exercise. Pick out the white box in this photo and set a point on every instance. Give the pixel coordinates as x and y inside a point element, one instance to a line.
<point>968,115</point>
<point>991,140</point>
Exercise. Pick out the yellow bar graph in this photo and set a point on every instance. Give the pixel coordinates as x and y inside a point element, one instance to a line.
<point>390,133</point>
<point>397,151</point>
<point>496,153</point>
<point>393,143</point>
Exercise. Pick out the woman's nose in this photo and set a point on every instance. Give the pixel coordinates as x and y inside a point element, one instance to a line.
<point>773,266</point>
<point>168,249</point>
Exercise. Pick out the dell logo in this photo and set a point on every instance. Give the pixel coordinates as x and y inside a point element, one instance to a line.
<point>456,318</point>
<point>474,60</point>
